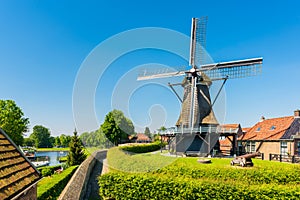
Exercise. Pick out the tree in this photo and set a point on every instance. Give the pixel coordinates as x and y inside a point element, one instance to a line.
<point>65,140</point>
<point>111,130</point>
<point>57,141</point>
<point>41,136</point>
<point>76,153</point>
<point>147,132</point>
<point>12,121</point>
<point>28,142</point>
<point>123,123</point>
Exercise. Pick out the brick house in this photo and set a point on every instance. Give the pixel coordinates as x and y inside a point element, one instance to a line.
<point>274,136</point>
<point>229,134</point>
<point>18,177</point>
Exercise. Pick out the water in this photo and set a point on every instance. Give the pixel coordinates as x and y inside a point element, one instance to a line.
<point>53,156</point>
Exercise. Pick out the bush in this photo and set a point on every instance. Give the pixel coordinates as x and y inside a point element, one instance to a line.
<point>48,170</point>
<point>51,187</point>
<point>185,178</point>
<point>142,148</point>
<point>145,186</point>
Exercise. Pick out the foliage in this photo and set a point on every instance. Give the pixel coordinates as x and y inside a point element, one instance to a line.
<point>28,142</point>
<point>111,130</point>
<point>117,127</point>
<point>51,187</point>
<point>145,186</point>
<point>121,161</point>
<point>48,170</point>
<point>185,178</point>
<point>12,121</point>
<point>63,159</point>
<point>123,123</point>
<point>95,139</point>
<point>142,148</point>
<point>76,154</point>
<point>147,132</point>
<point>65,140</point>
<point>41,136</point>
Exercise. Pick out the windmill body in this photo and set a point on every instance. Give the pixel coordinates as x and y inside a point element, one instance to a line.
<point>197,127</point>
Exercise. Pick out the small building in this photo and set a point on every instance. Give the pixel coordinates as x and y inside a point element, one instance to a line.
<point>140,138</point>
<point>18,176</point>
<point>274,136</point>
<point>229,133</point>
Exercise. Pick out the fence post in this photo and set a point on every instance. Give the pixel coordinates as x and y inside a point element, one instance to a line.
<point>262,156</point>
<point>293,159</point>
<point>270,156</point>
<point>280,158</point>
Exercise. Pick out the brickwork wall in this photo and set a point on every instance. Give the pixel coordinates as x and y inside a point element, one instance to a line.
<point>77,186</point>
<point>274,147</point>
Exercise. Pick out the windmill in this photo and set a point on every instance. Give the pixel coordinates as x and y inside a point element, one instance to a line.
<point>197,124</point>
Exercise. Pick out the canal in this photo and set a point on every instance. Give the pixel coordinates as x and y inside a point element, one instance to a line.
<point>51,156</point>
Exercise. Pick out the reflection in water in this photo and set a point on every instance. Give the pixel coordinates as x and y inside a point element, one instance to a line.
<point>51,156</point>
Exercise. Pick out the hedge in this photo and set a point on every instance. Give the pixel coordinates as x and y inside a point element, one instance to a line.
<point>142,148</point>
<point>51,187</point>
<point>48,170</point>
<point>146,186</point>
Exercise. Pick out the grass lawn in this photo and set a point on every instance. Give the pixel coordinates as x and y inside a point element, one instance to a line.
<point>53,149</point>
<point>184,178</point>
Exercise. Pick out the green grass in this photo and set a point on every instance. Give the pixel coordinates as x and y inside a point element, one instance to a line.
<point>159,174</point>
<point>53,149</point>
<point>119,160</point>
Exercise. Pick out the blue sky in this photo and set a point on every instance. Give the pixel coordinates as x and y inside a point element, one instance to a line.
<point>44,43</point>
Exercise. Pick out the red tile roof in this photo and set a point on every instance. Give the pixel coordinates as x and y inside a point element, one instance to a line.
<point>16,172</point>
<point>142,137</point>
<point>245,130</point>
<point>263,130</point>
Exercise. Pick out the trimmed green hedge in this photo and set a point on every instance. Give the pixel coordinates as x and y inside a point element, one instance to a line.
<point>142,148</point>
<point>51,187</point>
<point>146,186</point>
<point>48,170</point>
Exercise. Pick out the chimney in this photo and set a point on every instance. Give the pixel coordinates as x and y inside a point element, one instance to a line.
<point>262,118</point>
<point>297,113</point>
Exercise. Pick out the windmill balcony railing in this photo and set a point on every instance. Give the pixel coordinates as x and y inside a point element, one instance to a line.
<point>189,130</point>
<point>201,129</point>
<point>227,130</point>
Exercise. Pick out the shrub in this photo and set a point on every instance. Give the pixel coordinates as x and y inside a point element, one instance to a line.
<point>48,170</point>
<point>51,187</point>
<point>142,148</point>
<point>145,186</point>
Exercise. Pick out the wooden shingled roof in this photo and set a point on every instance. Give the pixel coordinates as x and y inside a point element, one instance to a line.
<point>16,172</point>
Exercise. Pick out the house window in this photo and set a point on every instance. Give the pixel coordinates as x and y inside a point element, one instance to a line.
<point>272,127</point>
<point>283,148</point>
<point>222,138</point>
<point>258,129</point>
<point>250,147</point>
<point>298,147</point>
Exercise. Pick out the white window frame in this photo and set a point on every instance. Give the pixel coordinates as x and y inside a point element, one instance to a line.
<point>283,148</point>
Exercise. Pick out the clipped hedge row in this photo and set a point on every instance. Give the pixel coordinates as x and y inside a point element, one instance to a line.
<point>142,148</point>
<point>48,170</point>
<point>247,176</point>
<point>51,187</point>
<point>145,186</point>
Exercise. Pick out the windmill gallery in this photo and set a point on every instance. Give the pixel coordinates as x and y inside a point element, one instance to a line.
<point>197,129</point>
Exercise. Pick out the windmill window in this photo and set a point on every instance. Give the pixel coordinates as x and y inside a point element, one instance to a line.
<point>272,127</point>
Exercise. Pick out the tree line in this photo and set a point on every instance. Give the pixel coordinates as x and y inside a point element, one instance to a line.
<point>115,130</point>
